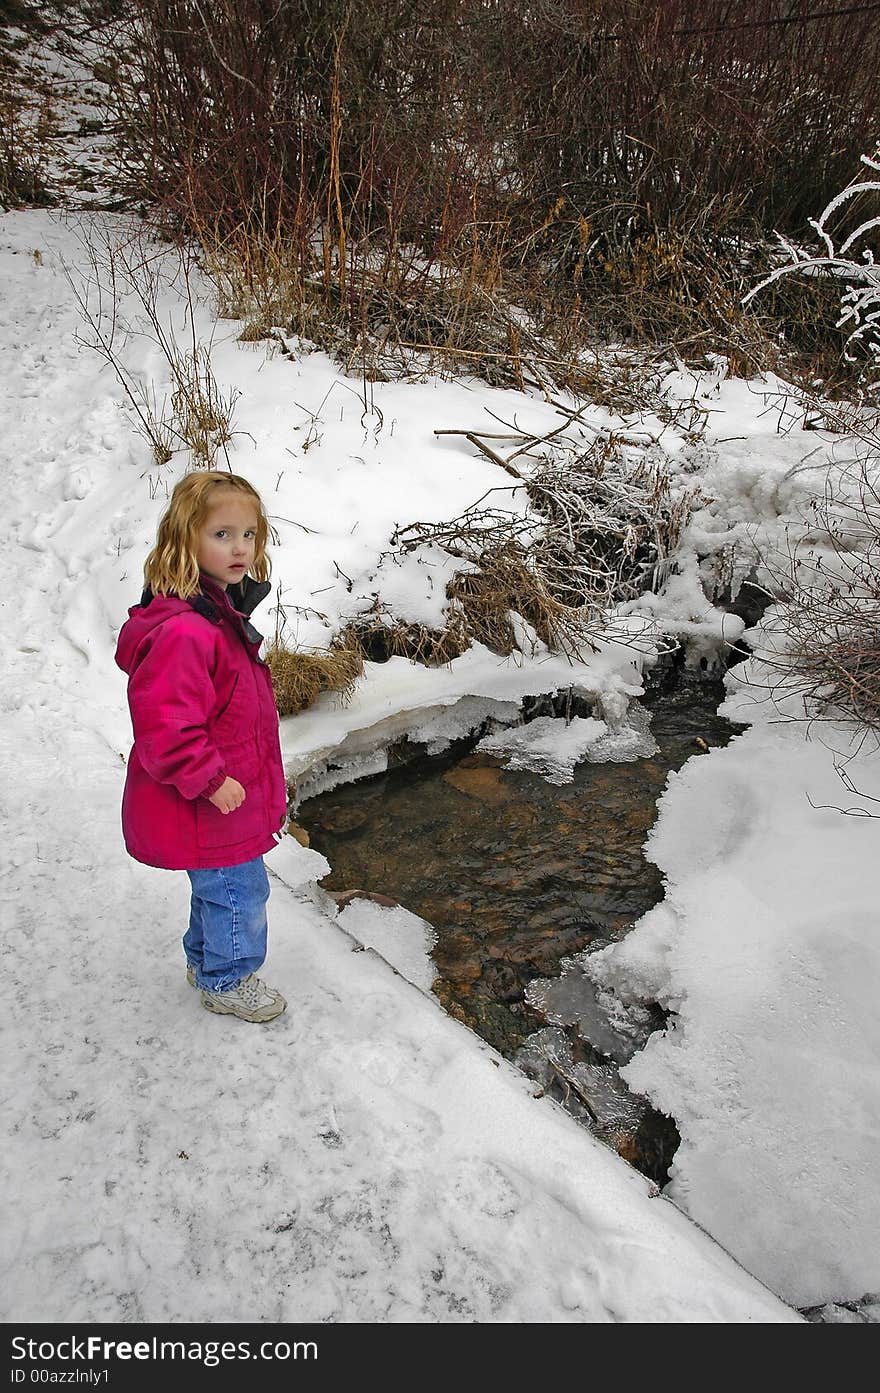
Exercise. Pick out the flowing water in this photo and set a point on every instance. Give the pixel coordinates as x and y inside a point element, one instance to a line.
<point>518,876</point>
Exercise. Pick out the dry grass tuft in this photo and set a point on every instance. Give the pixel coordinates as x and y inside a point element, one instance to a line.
<point>299,678</point>
<point>484,602</point>
<point>379,637</point>
<point>258,274</point>
<point>509,581</point>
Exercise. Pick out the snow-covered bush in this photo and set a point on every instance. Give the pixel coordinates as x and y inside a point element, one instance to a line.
<point>602,524</point>
<point>822,644</point>
<point>853,261</point>
<point>819,651</point>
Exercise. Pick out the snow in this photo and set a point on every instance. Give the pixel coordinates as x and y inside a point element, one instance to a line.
<point>546,746</point>
<point>366,1158</point>
<point>402,939</point>
<point>765,949</point>
<point>413,585</point>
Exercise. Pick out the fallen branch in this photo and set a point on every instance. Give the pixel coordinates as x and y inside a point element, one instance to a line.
<point>572,1086</point>
<point>490,454</point>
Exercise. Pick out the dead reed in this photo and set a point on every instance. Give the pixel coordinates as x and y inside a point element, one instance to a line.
<point>298,679</point>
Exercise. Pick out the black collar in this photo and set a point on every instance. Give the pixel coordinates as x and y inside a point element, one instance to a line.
<point>242,598</point>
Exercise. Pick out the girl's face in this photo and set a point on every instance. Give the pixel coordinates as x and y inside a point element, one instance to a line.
<point>227,538</point>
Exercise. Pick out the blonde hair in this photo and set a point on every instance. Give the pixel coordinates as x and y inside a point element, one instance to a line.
<point>172,567</point>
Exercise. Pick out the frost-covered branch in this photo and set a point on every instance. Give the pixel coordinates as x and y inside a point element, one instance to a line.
<point>860,301</point>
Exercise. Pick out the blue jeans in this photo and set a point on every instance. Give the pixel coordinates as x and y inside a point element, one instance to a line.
<point>226,938</point>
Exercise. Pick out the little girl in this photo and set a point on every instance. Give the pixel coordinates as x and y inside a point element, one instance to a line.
<point>205,789</point>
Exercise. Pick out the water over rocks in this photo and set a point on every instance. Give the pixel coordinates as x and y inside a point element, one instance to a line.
<point>518,876</point>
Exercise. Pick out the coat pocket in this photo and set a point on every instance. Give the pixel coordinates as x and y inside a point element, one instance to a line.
<point>249,820</point>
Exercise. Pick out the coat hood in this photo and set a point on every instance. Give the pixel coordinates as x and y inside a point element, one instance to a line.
<point>212,602</point>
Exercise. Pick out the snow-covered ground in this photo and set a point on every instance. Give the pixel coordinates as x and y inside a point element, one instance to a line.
<point>365,1158</point>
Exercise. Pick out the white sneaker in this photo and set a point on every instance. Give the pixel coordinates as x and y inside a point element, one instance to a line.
<point>250,1000</point>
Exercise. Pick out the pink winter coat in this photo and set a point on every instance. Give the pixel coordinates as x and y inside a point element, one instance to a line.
<point>201,709</point>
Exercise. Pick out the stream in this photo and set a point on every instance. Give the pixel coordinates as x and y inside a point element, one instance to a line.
<point>520,877</point>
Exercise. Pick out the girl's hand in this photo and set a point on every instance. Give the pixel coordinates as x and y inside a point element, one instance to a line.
<point>229,796</point>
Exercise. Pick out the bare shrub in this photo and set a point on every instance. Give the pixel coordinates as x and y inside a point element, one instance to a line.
<point>606,168</point>
<point>98,307</point>
<point>642,114</point>
<point>823,644</point>
<point>199,415</point>
<point>629,113</point>
<point>26,120</point>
